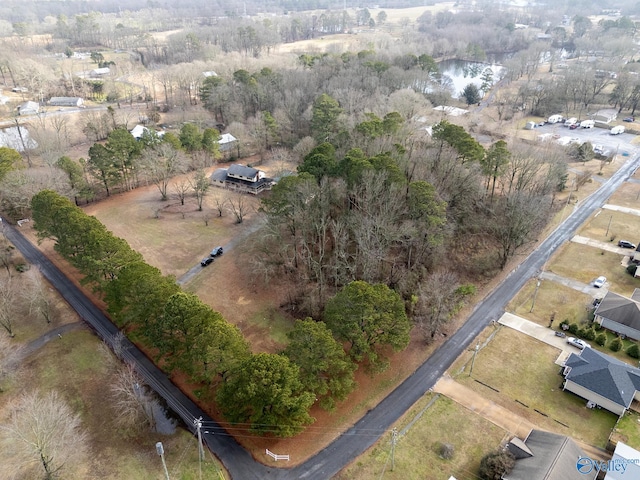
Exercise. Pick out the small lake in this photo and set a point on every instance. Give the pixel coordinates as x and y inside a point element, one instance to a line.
<point>457,74</point>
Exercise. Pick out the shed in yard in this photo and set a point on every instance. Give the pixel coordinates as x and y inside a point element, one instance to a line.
<point>28,108</point>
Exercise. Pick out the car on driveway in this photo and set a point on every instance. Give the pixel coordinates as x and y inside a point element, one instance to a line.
<point>626,244</point>
<point>600,281</point>
<point>629,119</point>
<point>576,342</point>
<point>206,261</point>
<point>216,252</point>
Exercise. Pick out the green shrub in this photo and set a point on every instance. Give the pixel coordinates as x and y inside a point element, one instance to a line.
<point>601,339</point>
<point>615,345</point>
<point>573,328</point>
<point>589,334</point>
<point>631,269</point>
<point>633,350</point>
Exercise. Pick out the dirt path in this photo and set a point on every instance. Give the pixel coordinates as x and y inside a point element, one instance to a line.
<point>498,415</point>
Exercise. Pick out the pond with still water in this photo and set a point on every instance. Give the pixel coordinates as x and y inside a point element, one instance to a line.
<point>457,74</point>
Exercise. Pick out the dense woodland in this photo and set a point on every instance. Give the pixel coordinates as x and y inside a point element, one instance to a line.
<point>379,212</point>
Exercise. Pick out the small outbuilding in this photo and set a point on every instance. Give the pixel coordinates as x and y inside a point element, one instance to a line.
<point>28,108</point>
<point>66,102</point>
<point>606,115</point>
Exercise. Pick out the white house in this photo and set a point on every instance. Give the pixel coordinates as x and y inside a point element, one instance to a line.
<point>99,72</point>
<point>627,456</point>
<point>66,102</point>
<point>242,179</point>
<point>227,142</point>
<point>606,115</point>
<point>28,108</point>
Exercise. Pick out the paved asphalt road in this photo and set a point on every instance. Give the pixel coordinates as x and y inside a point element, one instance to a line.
<point>378,420</point>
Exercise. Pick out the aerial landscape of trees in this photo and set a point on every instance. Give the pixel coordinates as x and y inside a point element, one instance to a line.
<point>386,218</point>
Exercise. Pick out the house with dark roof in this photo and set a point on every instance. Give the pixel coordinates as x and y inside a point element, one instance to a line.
<point>620,314</point>
<point>545,456</point>
<point>242,179</point>
<point>602,380</point>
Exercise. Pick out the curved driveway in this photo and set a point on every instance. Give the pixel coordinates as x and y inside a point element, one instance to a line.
<point>357,439</point>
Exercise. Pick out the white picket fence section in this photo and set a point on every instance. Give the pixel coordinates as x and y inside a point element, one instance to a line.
<point>277,457</point>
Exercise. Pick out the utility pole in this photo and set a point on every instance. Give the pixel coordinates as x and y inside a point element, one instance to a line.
<point>535,294</point>
<point>198,424</point>
<point>160,450</point>
<point>394,440</point>
<point>473,360</point>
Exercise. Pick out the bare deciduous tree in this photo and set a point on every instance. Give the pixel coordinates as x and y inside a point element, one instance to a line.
<point>36,295</point>
<point>200,184</point>
<point>161,163</point>
<point>181,188</point>
<point>10,355</point>
<point>132,399</point>
<point>239,206</point>
<point>220,199</point>
<point>6,253</point>
<point>439,297</point>
<point>42,438</point>
<point>8,305</point>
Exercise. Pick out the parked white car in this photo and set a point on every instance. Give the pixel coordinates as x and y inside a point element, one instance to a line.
<point>576,342</point>
<point>617,130</point>
<point>600,281</point>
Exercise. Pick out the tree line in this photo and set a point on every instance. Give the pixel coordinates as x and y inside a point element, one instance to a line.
<point>272,392</point>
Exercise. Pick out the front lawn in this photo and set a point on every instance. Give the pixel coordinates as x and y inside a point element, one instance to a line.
<point>567,303</point>
<point>518,372</point>
<point>628,430</point>
<point>417,453</point>
<point>585,264</point>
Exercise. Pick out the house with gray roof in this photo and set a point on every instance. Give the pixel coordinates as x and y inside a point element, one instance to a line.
<point>66,102</point>
<point>242,178</point>
<point>620,314</point>
<point>602,380</point>
<point>545,456</point>
<point>28,108</point>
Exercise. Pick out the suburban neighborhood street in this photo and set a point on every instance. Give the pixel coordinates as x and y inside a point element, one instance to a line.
<point>359,437</point>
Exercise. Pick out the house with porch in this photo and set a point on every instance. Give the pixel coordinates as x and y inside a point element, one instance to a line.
<point>602,380</point>
<point>620,314</point>
<point>242,178</point>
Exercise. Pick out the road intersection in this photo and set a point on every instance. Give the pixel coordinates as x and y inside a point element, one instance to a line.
<point>358,438</point>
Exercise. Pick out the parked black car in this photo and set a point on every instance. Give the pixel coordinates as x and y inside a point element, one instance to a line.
<point>206,261</point>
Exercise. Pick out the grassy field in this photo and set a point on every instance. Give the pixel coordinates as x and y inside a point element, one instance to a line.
<point>77,367</point>
<point>566,302</point>
<point>523,372</point>
<point>628,430</point>
<point>628,195</point>
<point>611,226</point>
<point>417,453</point>
<point>585,264</point>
